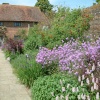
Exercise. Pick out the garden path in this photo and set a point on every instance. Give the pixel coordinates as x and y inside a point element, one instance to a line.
<point>10,87</point>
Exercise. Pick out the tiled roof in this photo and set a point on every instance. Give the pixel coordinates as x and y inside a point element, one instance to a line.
<point>20,13</point>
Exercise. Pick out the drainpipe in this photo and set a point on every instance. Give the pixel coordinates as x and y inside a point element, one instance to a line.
<point>28,28</point>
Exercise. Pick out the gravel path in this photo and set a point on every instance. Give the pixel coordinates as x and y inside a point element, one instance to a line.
<point>10,87</point>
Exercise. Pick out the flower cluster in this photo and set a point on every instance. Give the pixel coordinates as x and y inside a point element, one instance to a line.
<point>79,91</point>
<point>71,56</point>
<point>82,59</point>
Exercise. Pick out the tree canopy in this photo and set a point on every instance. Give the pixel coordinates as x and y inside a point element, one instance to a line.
<point>44,5</point>
<point>98,1</point>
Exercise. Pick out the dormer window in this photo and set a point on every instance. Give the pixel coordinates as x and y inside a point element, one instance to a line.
<point>1,23</point>
<point>17,24</point>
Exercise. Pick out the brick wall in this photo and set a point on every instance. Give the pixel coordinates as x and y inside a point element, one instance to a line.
<point>11,31</point>
<point>94,31</point>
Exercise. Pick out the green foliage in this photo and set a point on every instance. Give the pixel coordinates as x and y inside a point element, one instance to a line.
<point>66,24</point>
<point>26,68</point>
<point>44,86</point>
<point>98,1</point>
<point>50,69</point>
<point>44,5</point>
<point>3,29</point>
<point>22,34</point>
<point>33,40</point>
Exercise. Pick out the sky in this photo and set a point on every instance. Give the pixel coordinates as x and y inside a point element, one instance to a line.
<point>68,3</point>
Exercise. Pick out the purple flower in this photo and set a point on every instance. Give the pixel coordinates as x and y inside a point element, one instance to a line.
<point>71,56</point>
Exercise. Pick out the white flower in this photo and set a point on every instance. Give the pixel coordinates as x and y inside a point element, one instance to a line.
<point>63,89</point>
<point>84,97</point>
<point>88,72</point>
<point>57,97</point>
<point>67,97</point>
<point>92,89</point>
<point>73,89</point>
<point>52,93</point>
<point>95,86</point>
<point>98,63</point>
<point>79,78</point>
<point>61,97</point>
<point>97,96</point>
<point>83,77</point>
<point>93,67</point>
<point>92,75</point>
<point>97,80</point>
<point>79,97</point>
<point>81,83</point>
<point>93,80</point>
<point>88,97</point>
<point>87,80</point>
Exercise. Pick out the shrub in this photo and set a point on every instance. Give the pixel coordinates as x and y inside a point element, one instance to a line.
<point>22,34</point>
<point>70,56</point>
<point>33,40</point>
<point>64,24</point>
<point>27,69</point>
<point>81,59</point>
<point>13,48</point>
<point>49,87</point>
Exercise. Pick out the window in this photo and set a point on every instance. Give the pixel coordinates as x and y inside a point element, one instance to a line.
<point>17,24</point>
<point>1,23</point>
<point>16,37</point>
<point>35,23</point>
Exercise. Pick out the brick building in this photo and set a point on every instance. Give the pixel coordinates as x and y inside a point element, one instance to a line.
<point>16,17</point>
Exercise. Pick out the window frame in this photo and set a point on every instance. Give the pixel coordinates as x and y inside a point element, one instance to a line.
<point>1,23</point>
<point>16,37</point>
<point>17,24</point>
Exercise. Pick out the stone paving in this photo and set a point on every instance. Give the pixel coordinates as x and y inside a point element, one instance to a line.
<point>10,87</point>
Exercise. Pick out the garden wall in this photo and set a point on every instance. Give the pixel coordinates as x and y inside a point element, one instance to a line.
<point>95,22</point>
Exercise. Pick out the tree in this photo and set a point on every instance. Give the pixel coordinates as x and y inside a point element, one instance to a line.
<point>98,1</point>
<point>44,5</point>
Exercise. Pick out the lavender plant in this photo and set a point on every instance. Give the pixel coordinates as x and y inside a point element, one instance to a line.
<point>26,68</point>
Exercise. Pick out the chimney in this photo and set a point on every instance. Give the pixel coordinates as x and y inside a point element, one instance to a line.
<point>5,3</point>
